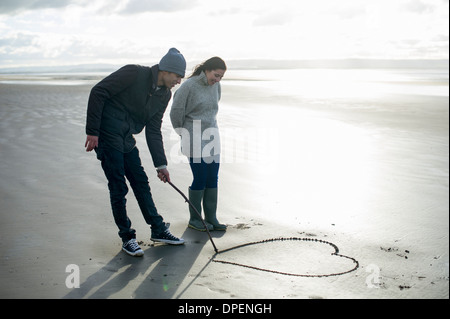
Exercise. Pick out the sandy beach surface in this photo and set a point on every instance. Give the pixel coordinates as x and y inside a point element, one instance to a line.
<point>369,176</point>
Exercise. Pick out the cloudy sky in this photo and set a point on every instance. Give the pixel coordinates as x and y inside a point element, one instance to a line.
<point>61,32</point>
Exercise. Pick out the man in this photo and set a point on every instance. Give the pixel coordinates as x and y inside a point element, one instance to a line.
<point>121,105</point>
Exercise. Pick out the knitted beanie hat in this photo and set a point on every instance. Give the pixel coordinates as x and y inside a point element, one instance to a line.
<point>173,62</point>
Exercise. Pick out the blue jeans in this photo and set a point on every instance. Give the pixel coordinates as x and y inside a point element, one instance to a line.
<point>118,166</point>
<point>206,175</point>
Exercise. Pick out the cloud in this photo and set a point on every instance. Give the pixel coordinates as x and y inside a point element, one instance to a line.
<point>272,19</point>
<point>419,6</point>
<point>16,41</point>
<point>125,7</point>
<point>139,6</point>
<point>17,6</point>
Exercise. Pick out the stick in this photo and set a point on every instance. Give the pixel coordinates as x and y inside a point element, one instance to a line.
<point>195,209</point>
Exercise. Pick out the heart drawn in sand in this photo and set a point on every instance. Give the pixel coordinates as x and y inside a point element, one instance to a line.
<point>293,256</point>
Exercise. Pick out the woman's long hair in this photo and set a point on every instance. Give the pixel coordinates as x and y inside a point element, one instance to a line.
<point>210,64</point>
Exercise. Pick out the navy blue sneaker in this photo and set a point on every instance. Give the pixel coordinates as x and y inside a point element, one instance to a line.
<point>132,248</point>
<point>167,237</point>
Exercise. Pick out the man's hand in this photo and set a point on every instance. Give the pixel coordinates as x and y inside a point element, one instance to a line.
<point>91,142</point>
<point>163,175</point>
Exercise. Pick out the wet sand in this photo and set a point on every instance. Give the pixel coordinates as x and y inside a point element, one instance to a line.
<point>372,180</point>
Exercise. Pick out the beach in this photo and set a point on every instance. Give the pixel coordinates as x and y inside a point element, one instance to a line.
<point>356,158</point>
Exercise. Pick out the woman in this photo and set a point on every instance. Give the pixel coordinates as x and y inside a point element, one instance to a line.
<point>193,116</point>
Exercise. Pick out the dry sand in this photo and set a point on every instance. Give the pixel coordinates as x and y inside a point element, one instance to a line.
<point>391,215</point>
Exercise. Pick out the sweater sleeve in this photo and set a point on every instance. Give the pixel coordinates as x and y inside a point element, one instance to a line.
<point>178,110</point>
<point>104,90</point>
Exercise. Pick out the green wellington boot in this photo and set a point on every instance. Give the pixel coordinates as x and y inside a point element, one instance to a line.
<point>210,207</point>
<point>195,197</point>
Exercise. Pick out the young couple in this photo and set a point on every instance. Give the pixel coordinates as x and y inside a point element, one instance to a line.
<point>136,97</point>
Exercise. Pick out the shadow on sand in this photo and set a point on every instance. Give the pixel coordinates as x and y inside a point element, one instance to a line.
<point>158,274</point>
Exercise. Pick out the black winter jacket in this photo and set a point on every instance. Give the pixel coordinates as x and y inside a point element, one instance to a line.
<point>125,102</point>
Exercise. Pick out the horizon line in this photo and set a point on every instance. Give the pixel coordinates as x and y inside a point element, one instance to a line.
<point>247,63</point>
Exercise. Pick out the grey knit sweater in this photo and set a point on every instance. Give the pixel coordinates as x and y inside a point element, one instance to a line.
<point>193,115</point>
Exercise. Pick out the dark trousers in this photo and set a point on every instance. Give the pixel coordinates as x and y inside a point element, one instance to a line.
<point>118,166</point>
<point>205,175</point>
